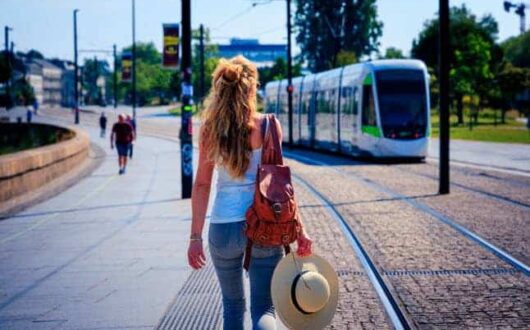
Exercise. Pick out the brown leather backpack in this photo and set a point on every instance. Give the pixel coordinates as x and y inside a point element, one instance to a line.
<point>272,219</point>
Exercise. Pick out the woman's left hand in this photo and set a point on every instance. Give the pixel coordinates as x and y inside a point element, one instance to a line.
<point>304,245</point>
<point>196,258</point>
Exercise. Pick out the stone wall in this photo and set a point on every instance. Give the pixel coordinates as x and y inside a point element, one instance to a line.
<point>25,171</point>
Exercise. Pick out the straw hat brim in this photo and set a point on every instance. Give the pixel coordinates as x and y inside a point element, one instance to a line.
<point>282,280</point>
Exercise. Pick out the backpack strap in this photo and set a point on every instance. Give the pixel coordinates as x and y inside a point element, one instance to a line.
<point>272,147</point>
<point>248,253</point>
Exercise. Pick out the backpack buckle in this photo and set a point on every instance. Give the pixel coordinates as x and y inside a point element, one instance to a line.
<point>277,208</point>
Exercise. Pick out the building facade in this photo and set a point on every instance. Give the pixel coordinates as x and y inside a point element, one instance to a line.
<point>261,54</point>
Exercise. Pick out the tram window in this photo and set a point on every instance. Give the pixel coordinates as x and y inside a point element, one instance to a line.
<point>354,101</point>
<point>368,117</point>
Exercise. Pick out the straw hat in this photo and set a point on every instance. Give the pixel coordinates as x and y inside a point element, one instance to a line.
<point>305,291</point>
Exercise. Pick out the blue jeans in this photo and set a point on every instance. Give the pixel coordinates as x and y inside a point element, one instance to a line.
<point>227,246</point>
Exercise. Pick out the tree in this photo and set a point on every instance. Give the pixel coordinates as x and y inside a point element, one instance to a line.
<point>393,52</point>
<point>277,71</point>
<point>154,84</point>
<point>511,81</point>
<point>327,27</point>
<point>517,50</point>
<point>475,56</point>
<point>345,57</point>
<point>94,70</point>
<point>211,58</point>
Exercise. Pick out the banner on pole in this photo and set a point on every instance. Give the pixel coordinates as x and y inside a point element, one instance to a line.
<point>126,67</point>
<point>170,55</point>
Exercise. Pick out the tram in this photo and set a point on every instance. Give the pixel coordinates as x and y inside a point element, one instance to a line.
<point>377,109</point>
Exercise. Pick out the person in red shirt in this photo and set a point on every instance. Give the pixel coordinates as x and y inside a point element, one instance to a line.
<point>122,135</point>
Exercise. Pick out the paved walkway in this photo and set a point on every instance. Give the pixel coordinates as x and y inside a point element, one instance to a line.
<point>108,252</point>
<point>498,155</point>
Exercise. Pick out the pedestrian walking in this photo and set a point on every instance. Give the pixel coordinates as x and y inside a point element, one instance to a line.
<point>103,124</point>
<point>122,135</point>
<point>29,114</point>
<point>35,105</point>
<point>233,137</point>
<point>132,122</point>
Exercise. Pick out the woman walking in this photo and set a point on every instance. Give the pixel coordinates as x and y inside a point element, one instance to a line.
<point>231,141</point>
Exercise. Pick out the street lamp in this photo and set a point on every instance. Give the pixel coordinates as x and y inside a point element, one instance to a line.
<point>76,71</point>
<point>8,60</point>
<point>133,60</point>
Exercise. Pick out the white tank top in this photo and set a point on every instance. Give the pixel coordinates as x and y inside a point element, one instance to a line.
<point>234,195</point>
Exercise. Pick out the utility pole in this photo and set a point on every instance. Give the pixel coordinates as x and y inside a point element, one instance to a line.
<point>289,74</point>
<point>519,11</point>
<point>134,59</point>
<point>8,59</point>
<point>444,60</point>
<point>186,146</point>
<point>201,62</point>
<point>115,78</point>
<point>76,71</point>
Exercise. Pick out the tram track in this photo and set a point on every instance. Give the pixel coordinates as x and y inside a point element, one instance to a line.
<point>392,308</point>
<point>490,195</point>
<point>425,209</point>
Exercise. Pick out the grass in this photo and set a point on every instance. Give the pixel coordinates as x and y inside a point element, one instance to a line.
<point>511,132</point>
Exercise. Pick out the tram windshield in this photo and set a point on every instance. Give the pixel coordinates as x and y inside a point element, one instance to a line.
<point>402,103</point>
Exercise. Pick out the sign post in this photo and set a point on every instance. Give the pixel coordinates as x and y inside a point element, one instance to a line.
<point>186,142</point>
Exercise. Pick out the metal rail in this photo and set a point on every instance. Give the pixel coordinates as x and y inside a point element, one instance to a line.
<point>499,252</point>
<point>392,309</point>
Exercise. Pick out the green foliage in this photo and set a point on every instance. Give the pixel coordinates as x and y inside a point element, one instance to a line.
<point>345,57</point>
<point>154,84</point>
<point>210,62</point>
<point>475,58</point>
<point>34,54</point>
<point>94,69</point>
<point>277,72</point>
<point>327,27</point>
<point>393,53</point>
<point>23,92</point>
<point>517,50</point>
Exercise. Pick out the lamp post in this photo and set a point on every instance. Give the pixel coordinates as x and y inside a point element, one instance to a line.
<point>289,74</point>
<point>444,61</point>
<point>133,60</point>
<point>115,76</point>
<point>76,71</point>
<point>8,59</point>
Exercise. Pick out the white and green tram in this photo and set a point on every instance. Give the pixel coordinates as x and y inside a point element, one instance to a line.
<point>378,108</point>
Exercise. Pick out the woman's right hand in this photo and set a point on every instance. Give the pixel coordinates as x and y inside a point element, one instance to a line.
<point>304,245</point>
<point>196,258</point>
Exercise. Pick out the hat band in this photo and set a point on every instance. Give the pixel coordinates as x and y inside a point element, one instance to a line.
<point>293,292</point>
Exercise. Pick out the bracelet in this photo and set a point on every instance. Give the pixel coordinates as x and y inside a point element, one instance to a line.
<point>195,237</point>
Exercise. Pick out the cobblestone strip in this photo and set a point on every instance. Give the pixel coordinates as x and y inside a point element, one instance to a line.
<point>359,306</point>
<point>497,184</point>
<point>503,224</point>
<point>401,238</point>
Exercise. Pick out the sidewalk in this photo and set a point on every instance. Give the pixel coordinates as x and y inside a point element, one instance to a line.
<point>108,252</point>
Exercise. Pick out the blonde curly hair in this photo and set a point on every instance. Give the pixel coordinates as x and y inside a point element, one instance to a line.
<point>227,118</point>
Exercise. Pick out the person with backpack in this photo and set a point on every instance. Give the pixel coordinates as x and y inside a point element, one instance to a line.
<point>122,135</point>
<point>239,142</point>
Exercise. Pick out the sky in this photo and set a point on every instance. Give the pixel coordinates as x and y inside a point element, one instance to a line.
<point>46,25</point>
